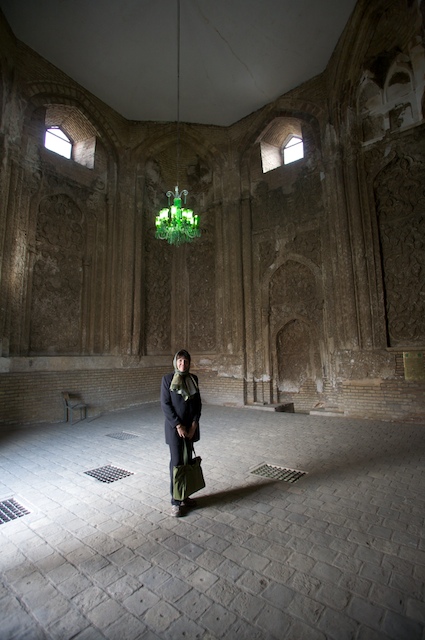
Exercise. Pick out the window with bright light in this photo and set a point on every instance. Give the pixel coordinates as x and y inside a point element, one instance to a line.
<point>293,150</point>
<point>56,140</point>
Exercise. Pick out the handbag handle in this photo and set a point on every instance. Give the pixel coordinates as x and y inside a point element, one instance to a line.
<point>186,453</point>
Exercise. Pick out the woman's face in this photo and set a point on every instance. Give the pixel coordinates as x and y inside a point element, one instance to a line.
<point>182,363</point>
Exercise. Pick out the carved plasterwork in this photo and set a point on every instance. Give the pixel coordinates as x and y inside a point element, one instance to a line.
<point>298,204</point>
<point>202,277</point>
<point>56,300</point>
<point>400,204</point>
<point>159,285</point>
<point>298,357</point>
<point>158,270</point>
<point>308,244</point>
<point>293,290</point>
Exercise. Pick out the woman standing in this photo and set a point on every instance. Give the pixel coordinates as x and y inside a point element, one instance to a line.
<point>181,405</point>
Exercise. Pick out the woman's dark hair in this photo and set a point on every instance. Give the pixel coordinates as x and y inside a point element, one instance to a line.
<point>183,354</point>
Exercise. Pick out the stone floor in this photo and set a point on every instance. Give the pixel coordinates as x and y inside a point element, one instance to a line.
<point>338,554</point>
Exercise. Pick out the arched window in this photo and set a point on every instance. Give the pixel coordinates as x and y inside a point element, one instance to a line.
<point>56,140</point>
<point>293,150</point>
<point>70,134</point>
<point>281,143</point>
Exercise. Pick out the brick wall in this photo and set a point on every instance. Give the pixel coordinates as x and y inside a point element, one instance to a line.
<point>386,399</point>
<point>36,397</point>
<point>221,390</point>
<point>375,399</point>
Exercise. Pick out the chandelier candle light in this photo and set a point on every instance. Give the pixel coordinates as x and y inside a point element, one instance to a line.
<point>175,223</point>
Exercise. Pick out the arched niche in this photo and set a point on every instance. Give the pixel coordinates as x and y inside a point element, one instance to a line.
<point>298,358</point>
<point>295,304</point>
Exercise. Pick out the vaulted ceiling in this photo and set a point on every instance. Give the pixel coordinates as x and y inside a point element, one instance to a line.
<point>235,55</point>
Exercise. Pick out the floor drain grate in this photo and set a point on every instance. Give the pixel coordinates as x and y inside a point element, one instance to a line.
<point>278,473</point>
<point>10,510</point>
<point>122,435</point>
<point>108,473</point>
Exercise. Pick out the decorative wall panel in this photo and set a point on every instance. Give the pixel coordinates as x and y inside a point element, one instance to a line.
<point>202,289</point>
<point>400,203</point>
<point>55,325</point>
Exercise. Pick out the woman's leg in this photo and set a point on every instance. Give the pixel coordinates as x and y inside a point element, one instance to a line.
<point>176,458</point>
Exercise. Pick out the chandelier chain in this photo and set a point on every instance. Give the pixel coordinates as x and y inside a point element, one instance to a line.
<point>178,93</point>
<point>176,223</point>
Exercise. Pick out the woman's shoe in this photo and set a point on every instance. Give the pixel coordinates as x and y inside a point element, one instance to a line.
<point>176,512</point>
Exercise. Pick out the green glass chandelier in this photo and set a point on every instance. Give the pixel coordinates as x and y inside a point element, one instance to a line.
<point>175,223</point>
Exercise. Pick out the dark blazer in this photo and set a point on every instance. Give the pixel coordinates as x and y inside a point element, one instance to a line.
<point>179,411</point>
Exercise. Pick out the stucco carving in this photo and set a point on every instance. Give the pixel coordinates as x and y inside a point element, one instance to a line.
<point>400,204</point>
<point>298,357</point>
<point>298,201</point>
<point>158,296</point>
<point>56,299</point>
<point>157,271</point>
<point>293,289</point>
<point>202,290</point>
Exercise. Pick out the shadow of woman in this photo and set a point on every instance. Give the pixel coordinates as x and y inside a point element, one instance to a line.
<point>232,495</point>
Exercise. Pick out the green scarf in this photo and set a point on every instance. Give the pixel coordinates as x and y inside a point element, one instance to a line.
<point>183,383</point>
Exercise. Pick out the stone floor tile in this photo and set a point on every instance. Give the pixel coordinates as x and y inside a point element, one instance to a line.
<point>223,592</point>
<point>183,629</point>
<point>140,601</point>
<point>68,625</point>
<point>14,617</point>
<point>243,630</point>
<point>217,619</point>
<point>90,634</point>
<point>366,612</point>
<point>299,629</point>
<point>278,595</point>
<point>337,625</point>
<point>274,622</point>
<point>398,627</point>
<point>90,598</point>
<point>160,616</point>
<point>193,604</point>
<point>49,610</point>
<point>106,613</point>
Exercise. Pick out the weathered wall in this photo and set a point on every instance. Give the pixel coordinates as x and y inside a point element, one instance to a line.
<point>307,285</point>
<point>335,255</point>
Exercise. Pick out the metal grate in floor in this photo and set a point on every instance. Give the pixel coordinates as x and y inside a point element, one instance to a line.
<point>278,473</point>
<point>108,473</point>
<point>122,435</point>
<point>10,510</point>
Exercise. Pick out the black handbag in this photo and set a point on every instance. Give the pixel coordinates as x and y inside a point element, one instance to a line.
<point>187,477</point>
